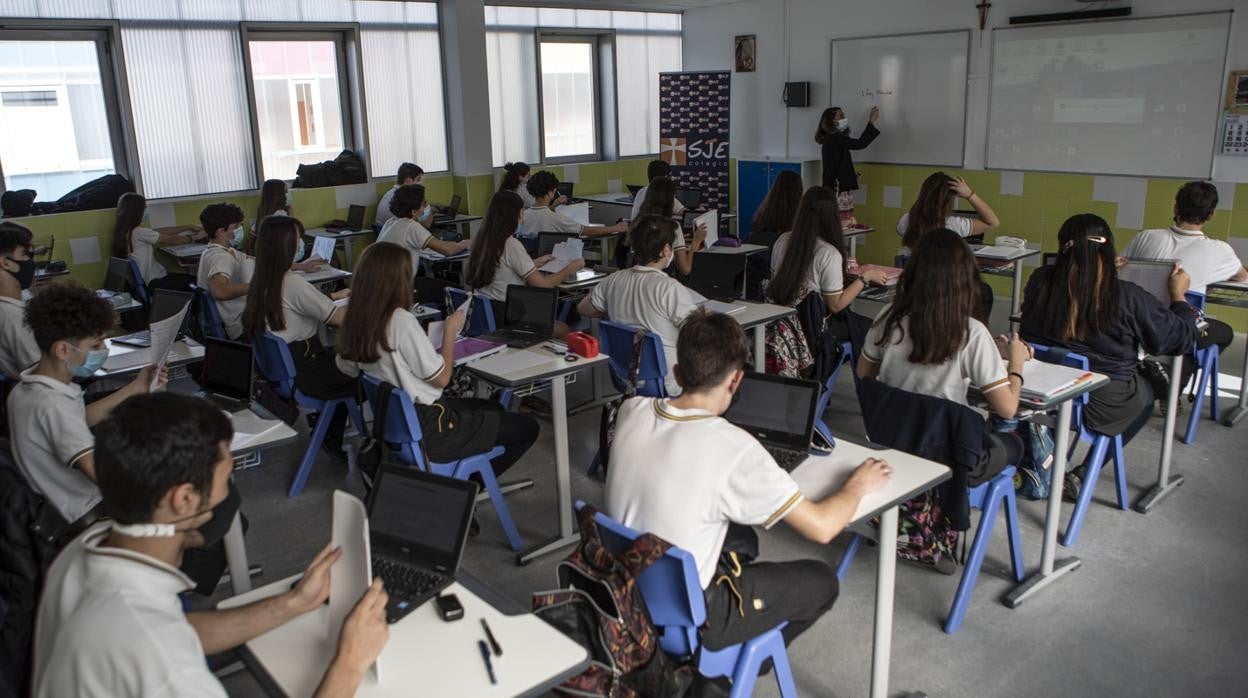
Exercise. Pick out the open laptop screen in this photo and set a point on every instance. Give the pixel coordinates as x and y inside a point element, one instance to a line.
<point>421,516</point>
<point>531,308</point>
<point>227,368</point>
<point>776,410</point>
<point>718,276</point>
<point>118,278</point>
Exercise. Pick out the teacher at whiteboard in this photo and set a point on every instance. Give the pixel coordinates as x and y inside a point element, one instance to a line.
<point>834,140</point>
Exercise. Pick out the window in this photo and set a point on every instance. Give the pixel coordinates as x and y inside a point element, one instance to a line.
<point>569,111</point>
<point>55,131</point>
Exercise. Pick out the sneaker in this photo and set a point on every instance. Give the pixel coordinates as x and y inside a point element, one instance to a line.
<point>1071,487</point>
<point>1161,409</point>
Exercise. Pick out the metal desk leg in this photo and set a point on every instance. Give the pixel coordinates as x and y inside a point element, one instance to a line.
<point>885,574</point>
<point>1016,292</point>
<point>236,557</point>
<point>760,348</point>
<point>1050,570</point>
<point>853,246</point>
<point>1241,408</point>
<point>1165,482</point>
<point>347,256</point>
<point>563,479</point>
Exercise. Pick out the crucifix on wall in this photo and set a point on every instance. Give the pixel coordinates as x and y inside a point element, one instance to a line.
<point>983,8</point>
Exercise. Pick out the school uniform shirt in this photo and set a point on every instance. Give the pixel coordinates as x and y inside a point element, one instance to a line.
<point>48,423</point>
<point>383,207</point>
<point>514,267</point>
<point>143,242</point>
<point>412,364</point>
<point>524,195</point>
<point>645,297</point>
<point>18,350</point>
<point>826,274</point>
<point>408,234</point>
<point>684,475</point>
<point>962,225</point>
<point>541,219</point>
<point>640,197</point>
<point>1205,259</point>
<point>110,623</point>
<point>977,364</point>
<point>237,268</point>
<point>304,308</point>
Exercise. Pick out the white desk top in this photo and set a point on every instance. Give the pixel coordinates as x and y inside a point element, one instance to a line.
<point>339,235</point>
<point>1015,255</point>
<point>514,367</point>
<point>324,275</point>
<point>616,198</point>
<point>187,251</point>
<point>582,285</point>
<point>745,248</point>
<point>820,476</point>
<point>126,359</point>
<point>1228,293</point>
<point>252,432</point>
<point>854,232</point>
<point>759,313</point>
<point>424,654</point>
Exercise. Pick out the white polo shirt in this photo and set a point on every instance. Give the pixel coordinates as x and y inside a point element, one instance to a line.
<point>110,624</point>
<point>1206,260</point>
<point>978,363</point>
<point>541,219</point>
<point>413,363</point>
<point>524,195</point>
<point>236,267</point>
<point>962,225</point>
<point>408,234</point>
<point>48,423</point>
<point>383,207</point>
<point>684,475</point>
<point>648,298</point>
<point>640,197</point>
<point>143,242</point>
<point>304,308</point>
<point>18,350</point>
<point>514,266</point>
<point>826,274</point>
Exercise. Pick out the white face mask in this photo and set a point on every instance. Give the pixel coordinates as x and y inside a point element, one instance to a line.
<point>842,124</point>
<point>670,258</point>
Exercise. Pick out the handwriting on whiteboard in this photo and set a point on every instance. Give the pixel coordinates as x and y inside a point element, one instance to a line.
<point>874,93</point>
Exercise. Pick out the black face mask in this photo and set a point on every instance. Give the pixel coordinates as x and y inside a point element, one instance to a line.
<point>222,518</point>
<point>25,273</point>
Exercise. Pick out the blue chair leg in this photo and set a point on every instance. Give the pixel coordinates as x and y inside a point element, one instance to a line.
<point>970,573</point>
<point>769,645</point>
<point>500,505</point>
<point>357,418</point>
<point>594,465</point>
<point>1208,367</point>
<point>1120,472</point>
<point>314,446</point>
<point>1095,460</point>
<point>847,557</point>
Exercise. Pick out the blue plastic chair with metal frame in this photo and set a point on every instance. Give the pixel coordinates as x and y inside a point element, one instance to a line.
<point>208,314</point>
<point>617,343</point>
<point>140,284</point>
<point>482,320</point>
<point>1208,363</point>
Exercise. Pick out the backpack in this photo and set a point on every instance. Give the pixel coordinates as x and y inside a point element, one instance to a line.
<point>600,606</point>
<point>611,410</point>
<point>1034,475</point>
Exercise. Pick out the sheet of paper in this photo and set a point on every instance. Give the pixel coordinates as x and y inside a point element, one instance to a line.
<point>615,186</point>
<point>577,212</point>
<point>323,248</point>
<point>164,333</point>
<point>1011,183</point>
<point>860,195</point>
<point>711,220</point>
<point>563,254</point>
<point>85,250</point>
<point>1152,276</point>
<point>352,572</point>
<point>892,197</point>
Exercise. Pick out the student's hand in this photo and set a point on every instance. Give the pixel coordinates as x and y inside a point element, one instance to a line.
<point>1120,262</point>
<point>454,324</point>
<point>875,115</point>
<point>364,632</point>
<point>559,201</point>
<point>313,588</point>
<point>874,276</point>
<point>142,383</point>
<point>340,294</point>
<point>870,476</point>
<point>960,187</point>
<point>467,243</point>
<point>699,234</point>
<point>1179,283</point>
<point>575,265</point>
<point>310,264</point>
<point>1014,350</point>
<point>541,261</point>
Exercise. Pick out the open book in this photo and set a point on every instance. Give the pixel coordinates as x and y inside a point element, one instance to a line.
<point>1044,380</point>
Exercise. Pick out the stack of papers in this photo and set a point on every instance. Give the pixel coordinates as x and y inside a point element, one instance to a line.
<point>999,252</point>
<point>563,254</point>
<point>323,248</point>
<point>577,212</point>
<point>711,220</point>
<point>1043,380</point>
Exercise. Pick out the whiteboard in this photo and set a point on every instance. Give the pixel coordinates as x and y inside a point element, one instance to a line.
<point>1132,97</point>
<point>919,83</point>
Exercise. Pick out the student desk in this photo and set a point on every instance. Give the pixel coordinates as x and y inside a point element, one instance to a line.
<point>424,655</point>
<point>1012,265</point>
<point>430,258</point>
<point>43,275</point>
<point>1232,294</point>
<point>536,364</point>
<point>820,476</point>
<point>1051,569</point>
<point>853,235</point>
<point>608,207</point>
<point>124,359</point>
<point>326,274</point>
<point>341,238</point>
<point>460,222</point>
<point>235,548</point>
<point>745,248</point>
<point>186,255</point>
<point>757,316</point>
<point>1166,483</point>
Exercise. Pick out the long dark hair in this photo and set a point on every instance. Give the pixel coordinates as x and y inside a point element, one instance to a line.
<point>817,219</point>
<point>939,291</point>
<point>502,217</point>
<point>383,284</point>
<point>275,249</point>
<point>130,208</point>
<point>827,125</point>
<point>272,199</point>
<point>779,208</point>
<point>660,198</point>
<point>931,208</point>
<point>512,172</point>
<point>1077,297</point>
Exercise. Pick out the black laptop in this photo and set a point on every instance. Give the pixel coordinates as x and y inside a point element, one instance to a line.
<point>165,304</point>
<point>546,241</point>
<point>355,220</point>
<point>226,378</point>
<point>631,196</point>
<point>117,279</point>
<point>565,189</point>
<point>719,277</point>
<point>451,211</point>
<point>779,412</point>
<point>690,198</point>
<point>418,524</point>
<point>529,317</point>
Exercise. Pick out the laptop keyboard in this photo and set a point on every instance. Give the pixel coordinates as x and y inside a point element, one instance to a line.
<point>786,458</point>
<point>406,586</point>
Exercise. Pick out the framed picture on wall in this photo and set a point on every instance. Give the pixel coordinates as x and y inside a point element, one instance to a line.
<point>745,53</point>
<point>1237,92</point>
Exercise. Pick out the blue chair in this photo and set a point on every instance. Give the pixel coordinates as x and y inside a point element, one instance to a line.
<point>482,320</point>
<point>208,315</point>
<point>1208,363</point>
<point>677,607</point>
<point>1100,449</point>
<point>826,395</point>
<point>616,342</point>
<point>402,435</point>
<point>275,364</point>
<point>140,284</point>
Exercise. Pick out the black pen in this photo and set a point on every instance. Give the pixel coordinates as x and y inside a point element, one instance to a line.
<point>498,650</point>
<point>485,655</point>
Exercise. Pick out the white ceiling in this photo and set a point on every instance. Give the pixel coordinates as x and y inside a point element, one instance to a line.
<point>669,5</point>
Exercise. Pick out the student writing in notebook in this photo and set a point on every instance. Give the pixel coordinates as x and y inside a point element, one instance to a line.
<point>542,218</point>
<point>661,200</point>
<point>408,228</point>
<point>515,177</point>
<point>133,239</point>
<point>409,173</point>
<point>224,270</point>
<point>18,350</point>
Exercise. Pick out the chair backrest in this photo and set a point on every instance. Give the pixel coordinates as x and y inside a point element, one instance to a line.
<point>617,343</point>
<point>670,588</point>
<point>482,320</point>
<point>140,284</point>
<point>1196,300</point>
<point>402,426</point>
<point>275,364</point>
<point>208,314</point>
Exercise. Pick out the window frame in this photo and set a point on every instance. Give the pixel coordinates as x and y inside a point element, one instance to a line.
<point>351,97</point>
<point>595,40</point>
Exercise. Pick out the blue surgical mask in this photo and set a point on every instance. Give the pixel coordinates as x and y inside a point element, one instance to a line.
<point>239,232</point>
<point>428,211</point>
<point>298,251</point>
<point>93,361</point>
<point>290,198</point>
<point>842,124</point>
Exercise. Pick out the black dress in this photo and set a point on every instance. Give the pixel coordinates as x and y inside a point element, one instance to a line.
<point>838,164</point>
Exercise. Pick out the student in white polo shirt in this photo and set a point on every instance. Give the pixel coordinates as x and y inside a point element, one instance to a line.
<point>49,422</point>
<point>133,240</point>
<point>18,350</point>
<point>409,173</point>
<point>661,200</point>
<point>655,169</point>
<point>515,176</point>
<point>541,218</point>
<point>110,621</point>
<point>224,269</point>
<point>682,472</point>
<point>643,295</point>
<point>408,226</point>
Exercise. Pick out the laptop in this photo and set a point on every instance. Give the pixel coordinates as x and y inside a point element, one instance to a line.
<point>416,531</point>
<point>689,198</point>
<point>546,241</point>
<point>529,317</point>
<point>779,412</point>
<point>117,279</point>
<point>451,211</point>
<point>565,189</point>
<point>355,220</point>
<point>631,196</point>
<point>719,277</point>
<point>165,304</point>
<point>226,378</point>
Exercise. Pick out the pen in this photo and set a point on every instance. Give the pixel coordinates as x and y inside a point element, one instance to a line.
<point>485,655</point>
<point>552,350</point>
<point>489,635</point>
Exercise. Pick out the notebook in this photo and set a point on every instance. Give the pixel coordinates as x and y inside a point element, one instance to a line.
<point>1044,380</point>
<point>323,248</point>
<point>891,274</point>
<point>711,220</point>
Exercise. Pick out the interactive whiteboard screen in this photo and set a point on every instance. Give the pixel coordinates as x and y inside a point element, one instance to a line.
<point>1132,97</point>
